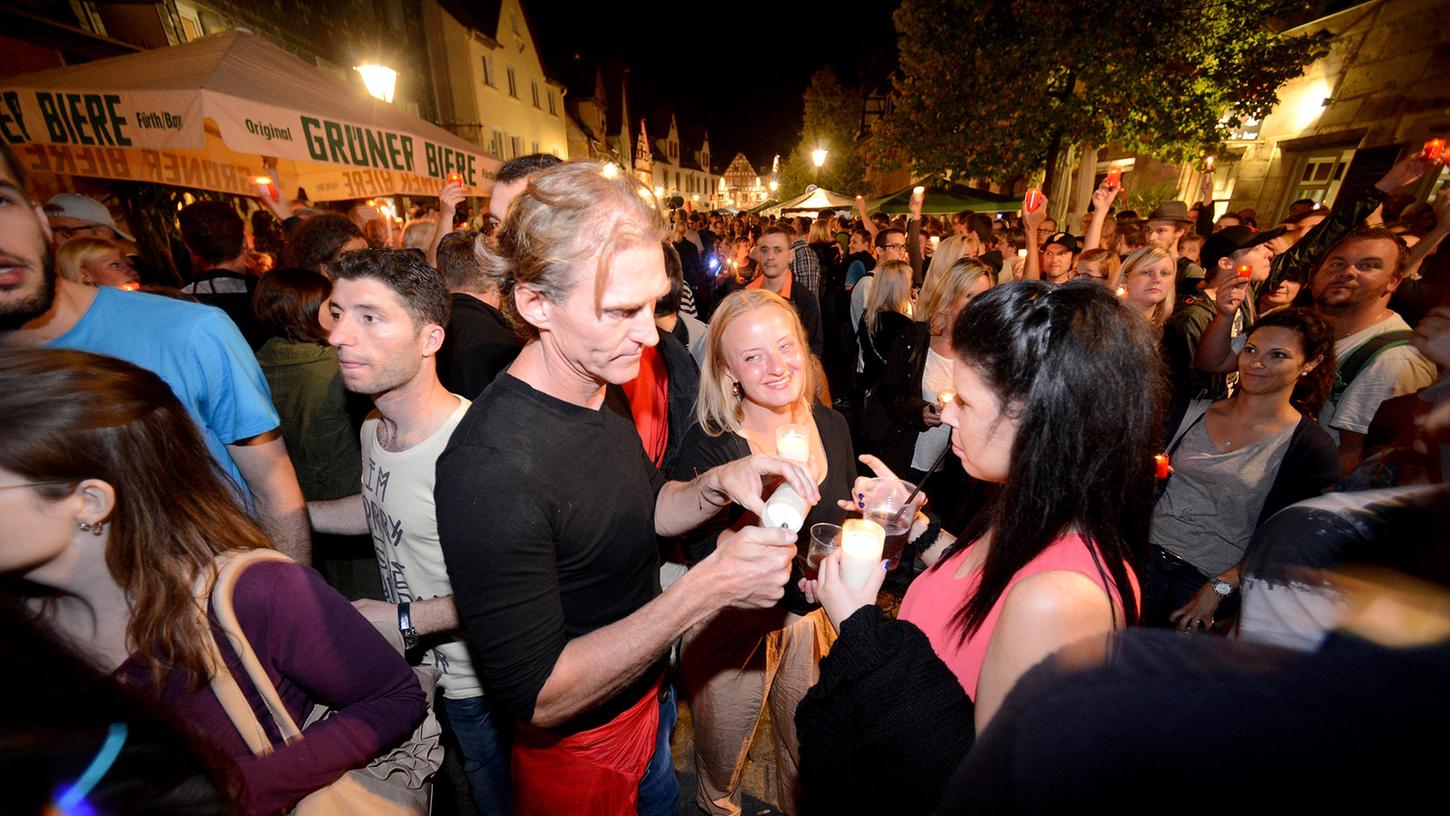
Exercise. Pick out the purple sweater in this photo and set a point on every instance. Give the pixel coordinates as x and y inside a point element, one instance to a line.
<point>316,649</point>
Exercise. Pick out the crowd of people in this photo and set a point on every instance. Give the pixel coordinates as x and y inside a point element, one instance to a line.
<point>541,474</point>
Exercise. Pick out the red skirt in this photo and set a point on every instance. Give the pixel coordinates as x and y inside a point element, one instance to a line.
<point>592,773</point>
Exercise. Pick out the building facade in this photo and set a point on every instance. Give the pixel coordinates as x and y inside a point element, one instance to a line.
<point>743,186</point>
<point>679,168</point>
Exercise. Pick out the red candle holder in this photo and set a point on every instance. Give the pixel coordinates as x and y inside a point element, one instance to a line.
<point>1434,150</point>
<point>1114,177</point>
<point>1160,466</point>
<point>1033,200</point>
<point>1245,271</point>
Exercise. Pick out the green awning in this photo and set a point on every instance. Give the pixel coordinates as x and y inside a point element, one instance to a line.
<point>944,198</point>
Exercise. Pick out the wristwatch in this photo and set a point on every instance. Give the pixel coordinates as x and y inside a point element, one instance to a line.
<point>1222,587</point>
<point>405,625</point>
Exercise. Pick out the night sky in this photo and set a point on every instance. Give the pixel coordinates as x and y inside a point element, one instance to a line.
<point>738,69</point>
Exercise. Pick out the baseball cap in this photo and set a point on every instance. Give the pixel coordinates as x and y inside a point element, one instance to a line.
<point>1229,240</point>
<point>1063,240</point>
<point>84,208</point>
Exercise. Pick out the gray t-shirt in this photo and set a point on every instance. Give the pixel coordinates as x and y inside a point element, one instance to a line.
<point>1208,512</point>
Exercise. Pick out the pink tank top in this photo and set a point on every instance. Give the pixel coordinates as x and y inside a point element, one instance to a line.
<point>934,602</point>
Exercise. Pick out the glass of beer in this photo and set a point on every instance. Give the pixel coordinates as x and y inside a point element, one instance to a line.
<point>884,502</point>
<point>825,538</point>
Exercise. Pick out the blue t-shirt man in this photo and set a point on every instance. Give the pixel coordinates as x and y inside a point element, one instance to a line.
<point>196,349</point>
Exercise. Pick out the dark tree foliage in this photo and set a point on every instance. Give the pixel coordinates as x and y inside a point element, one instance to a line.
<point>996,88</point>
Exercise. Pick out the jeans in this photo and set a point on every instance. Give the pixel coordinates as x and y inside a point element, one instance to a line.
<point>485,749</point>
<point>659,790</point>
<point>1168,584</point>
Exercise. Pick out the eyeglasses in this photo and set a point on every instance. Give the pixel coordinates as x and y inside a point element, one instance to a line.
<point>895,246</point>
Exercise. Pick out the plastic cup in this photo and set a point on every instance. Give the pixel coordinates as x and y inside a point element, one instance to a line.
<point>825,538</point>
<point>884,502</point>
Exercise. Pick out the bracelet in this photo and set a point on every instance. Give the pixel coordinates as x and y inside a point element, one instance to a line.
<point>928,537</point>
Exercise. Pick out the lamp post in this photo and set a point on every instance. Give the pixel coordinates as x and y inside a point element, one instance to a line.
<point>380,80</point>
<point>818,158</point>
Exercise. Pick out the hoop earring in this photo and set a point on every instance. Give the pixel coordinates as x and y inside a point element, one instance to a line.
<point>736,390</point>
<point>94,529</point>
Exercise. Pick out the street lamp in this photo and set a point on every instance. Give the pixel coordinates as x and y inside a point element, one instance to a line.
<point>774,185</point>
<point>380,80</point>
<point>818,157</point>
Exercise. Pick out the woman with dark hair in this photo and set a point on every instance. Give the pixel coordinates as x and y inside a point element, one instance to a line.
<point>116,514</point>
<point>317,416</point>
<point>1236,462</point>
<point>1052,406</point>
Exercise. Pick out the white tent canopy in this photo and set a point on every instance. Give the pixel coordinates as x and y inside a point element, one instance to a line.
<point>815,199</point>
<point>205,114</point>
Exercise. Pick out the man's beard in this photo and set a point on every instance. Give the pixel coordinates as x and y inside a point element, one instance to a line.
<point>15,314</point>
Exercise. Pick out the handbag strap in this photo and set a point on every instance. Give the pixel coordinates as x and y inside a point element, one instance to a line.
<point>223,684</point>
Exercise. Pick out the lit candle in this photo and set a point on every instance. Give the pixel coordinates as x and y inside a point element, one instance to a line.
<point>1114,177</point>
<point>935,241</point>
<point>266,187</point>
<point>793,442</point>
<point>455,178</point>
<point>1208,163</point>
<point>945,397</point>
<point>1245,271</point>
<point>1033,200</point>
<point>918,191</point>
<point>1161,469</point>
<point>861,544</point>
<point>1122,291</point>
<point>1434,149</point>
<point>129,286</point>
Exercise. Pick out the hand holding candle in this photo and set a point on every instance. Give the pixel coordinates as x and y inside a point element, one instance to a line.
<point>945,397</point>
<point>267,186</point>
<point>793,442</point>
<point>1033,201</point>
<point>1114,178</point>
<point>1434,151</point>
<point>861,544</point>
<point>1244,271</point>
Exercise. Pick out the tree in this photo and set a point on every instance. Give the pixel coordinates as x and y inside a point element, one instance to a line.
<point>832,121</point>
<point>996,88</point>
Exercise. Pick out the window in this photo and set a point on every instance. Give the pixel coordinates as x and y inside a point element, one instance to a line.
<point>513,83</point>
<point>190,22</point>
<point>553,104</point>
<point>516,146</point>
<point>495,145</point>
<point>1319,175</point>
<point>536,148</point>
<point>534,89</point>
<point>488,70</point>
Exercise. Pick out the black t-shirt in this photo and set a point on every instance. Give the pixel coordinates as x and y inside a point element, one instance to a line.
<point>546,519</point>
<point>478,344</point>
<point>700,452</point>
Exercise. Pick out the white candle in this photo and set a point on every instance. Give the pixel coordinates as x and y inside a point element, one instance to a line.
<point>861,544</point>
<point>793,442</point>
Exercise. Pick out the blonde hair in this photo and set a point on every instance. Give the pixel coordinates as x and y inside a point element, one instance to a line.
<point>1109,261</point>
<point>718,409</point>
<point>1141,258</point>
<point>820,231</point>
<point>567,216</point>
<point>941,290</point>
<point>891,291</point>
<point>418,234</point>
<point>73,255</point>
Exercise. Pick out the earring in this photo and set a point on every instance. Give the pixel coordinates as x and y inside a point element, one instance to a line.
<point>735,389</point>
<point>94,529</point>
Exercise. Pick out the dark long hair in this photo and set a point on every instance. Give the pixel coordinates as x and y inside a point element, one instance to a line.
<point>72,416</point>
<point>288,304</point>
<point>1316,339</point>
<point>1083,376</point>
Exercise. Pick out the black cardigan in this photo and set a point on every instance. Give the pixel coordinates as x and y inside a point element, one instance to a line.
<point>891,420</point>
<point>1310,466</point>
<point>885,727</point>
<point>699,452</point>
